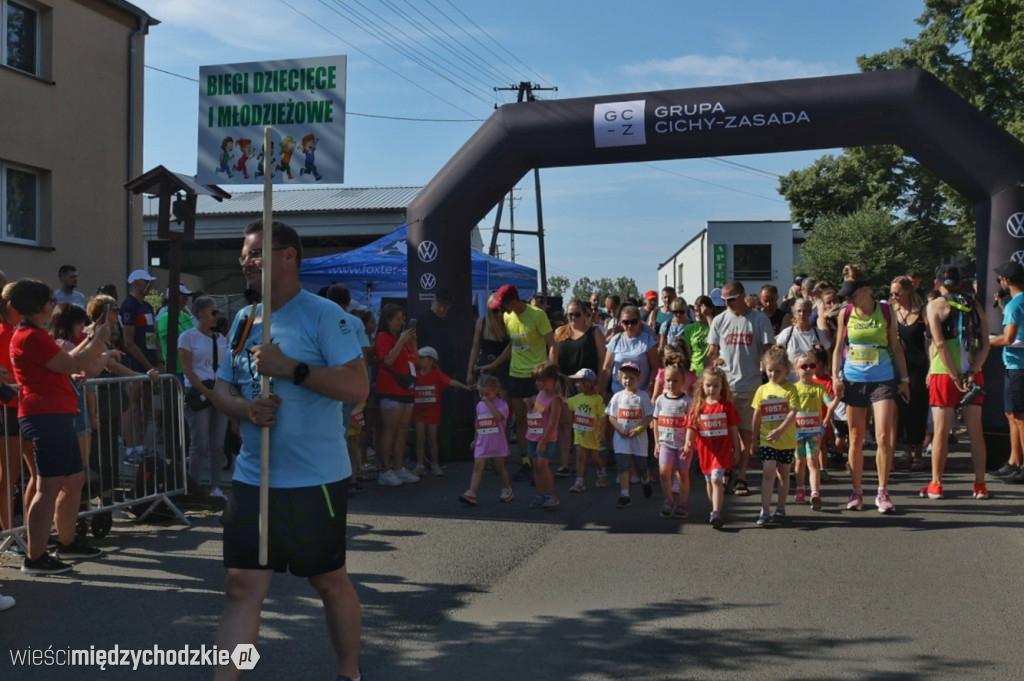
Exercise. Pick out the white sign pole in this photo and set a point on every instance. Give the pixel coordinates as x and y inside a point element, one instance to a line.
<point>268,253</point>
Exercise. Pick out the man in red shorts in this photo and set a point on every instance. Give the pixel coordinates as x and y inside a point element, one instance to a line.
<point>960,345</point>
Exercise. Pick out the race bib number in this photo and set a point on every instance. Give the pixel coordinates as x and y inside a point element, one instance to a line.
<point>358,418</point>
<point>486,425</point>
<point>519,342</point>
<point>583,421</point>
<point>713,425</point>
<point>672,430</point>
<point>863,357</point>
<point>808,423</point>
<point>425,394</point>
<point>629,417</point>
<point>534,424</point>
<point>774,409</point>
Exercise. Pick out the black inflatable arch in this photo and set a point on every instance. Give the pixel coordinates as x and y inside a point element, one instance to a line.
<point>908,108</point>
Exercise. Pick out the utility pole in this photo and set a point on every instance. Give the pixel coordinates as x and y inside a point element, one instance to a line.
<point>525,93</point>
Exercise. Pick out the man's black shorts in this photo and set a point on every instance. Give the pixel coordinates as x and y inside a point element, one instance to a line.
<point>521,388</point>
<point>307,528</point>
<point>1013,391</point>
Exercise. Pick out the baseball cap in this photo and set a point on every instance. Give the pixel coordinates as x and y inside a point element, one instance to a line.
<point>629,365</point>
<point>799,279</point>
<point>584,375</point>
<point>1011,270</point>
<point>443,296</point>
<point>181,288</point>
<point>505,294</point>
<point>427,351</point>
<point>651,295</point>
<point>850,287</point>
<point>947,275</point>
<point>140,274</point>
<point>716,297</point>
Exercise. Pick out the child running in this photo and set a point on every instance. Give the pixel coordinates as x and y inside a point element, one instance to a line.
<point>491,442</point>
<point>426,410</point>
<point>587,410</point>
<point>811,400</point>
<point>629,412</point>
<point>775,407</point>
<point>670,412</point>
<point>713,428</point>
<point>542,433</point>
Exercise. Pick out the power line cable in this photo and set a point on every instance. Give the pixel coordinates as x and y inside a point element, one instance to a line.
<point>481,64</point>
<point>477,26</point>
<point>372,58</point>
<point>750,169</point>
<point>357,18</point>
<point>713,184</point>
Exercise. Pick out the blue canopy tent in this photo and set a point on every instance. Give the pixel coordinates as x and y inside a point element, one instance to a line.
<point>380,269</point>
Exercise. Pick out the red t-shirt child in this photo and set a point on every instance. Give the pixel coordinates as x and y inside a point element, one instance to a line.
<point>427,407</point>
<point>714,445</point>
<point>42,391</point>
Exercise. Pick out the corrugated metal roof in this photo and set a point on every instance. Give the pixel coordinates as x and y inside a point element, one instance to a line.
<point>318,200</point>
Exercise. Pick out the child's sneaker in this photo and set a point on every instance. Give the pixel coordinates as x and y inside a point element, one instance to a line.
<point>578,486</point>
<point>468,498</point>
<point>436,470</point>
<point>563,472</point>
<point>856,501</point>
<point>550,502</point>
<point>763,520</point>
<point>800,497</point>
<point>980,490</point>
<point>681,511</point>
<point>667,509</point>
<point>623,502</point>
<point>507,495</point>
<point>932,491</point>
<point>602,478</point>
<point>779,516</point>
<point>716,520</point>
<point>648,489</point>
<point>537,502</point>
<point>815,501</point>
<point>525,472</point>
<point>419,471</point>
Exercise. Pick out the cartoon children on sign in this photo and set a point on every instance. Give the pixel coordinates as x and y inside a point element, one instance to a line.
<point>245,146</point>
<point>228,165</point>
<point>287,149</point>
<point>226,147</point>
<point>309,143</point>
<point>269,161</point>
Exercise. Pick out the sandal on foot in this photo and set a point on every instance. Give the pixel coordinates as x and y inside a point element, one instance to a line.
<point>740,488</point>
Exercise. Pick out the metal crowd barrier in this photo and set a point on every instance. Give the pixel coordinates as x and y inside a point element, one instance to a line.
<point>136,455</point>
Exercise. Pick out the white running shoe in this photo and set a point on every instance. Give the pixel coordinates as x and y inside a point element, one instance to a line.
<point>405,475</point>
<point>389,479</point>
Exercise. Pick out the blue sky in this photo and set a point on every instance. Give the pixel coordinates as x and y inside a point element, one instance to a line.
<point>592,215</point>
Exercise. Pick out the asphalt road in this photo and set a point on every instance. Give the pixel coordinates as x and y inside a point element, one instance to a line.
<point>587,592</point>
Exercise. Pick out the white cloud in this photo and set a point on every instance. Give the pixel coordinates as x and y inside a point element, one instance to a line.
<point>697,69</point>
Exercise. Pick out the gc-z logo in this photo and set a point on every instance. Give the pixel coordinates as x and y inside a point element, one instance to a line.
<point>620,124</point>
<point>427,251</point>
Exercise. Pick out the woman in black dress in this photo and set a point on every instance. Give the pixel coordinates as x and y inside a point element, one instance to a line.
<point>908,311</point>
<point>579,344</point>
<point>491,349</point>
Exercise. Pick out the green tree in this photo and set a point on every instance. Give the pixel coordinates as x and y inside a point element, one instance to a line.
<point>558,285</point>
<point>624,287</point>
<point>886,247</point>
<point>986,74</point>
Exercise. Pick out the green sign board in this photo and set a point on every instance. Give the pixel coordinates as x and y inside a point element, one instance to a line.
<point>719,265</point>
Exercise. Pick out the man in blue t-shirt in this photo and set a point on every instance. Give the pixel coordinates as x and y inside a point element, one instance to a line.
<point>1011,278</point>
<point>314,363</point>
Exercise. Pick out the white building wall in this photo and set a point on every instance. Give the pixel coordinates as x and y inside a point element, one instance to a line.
<point>695,258</point>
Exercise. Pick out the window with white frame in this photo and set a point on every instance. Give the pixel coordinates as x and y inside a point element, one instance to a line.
<point>21,36</point>
<point>20,191</point>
